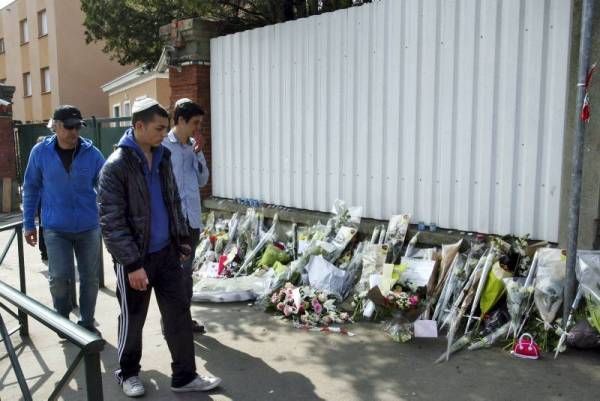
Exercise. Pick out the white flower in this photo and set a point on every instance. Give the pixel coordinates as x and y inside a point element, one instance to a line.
<point>330,304</point>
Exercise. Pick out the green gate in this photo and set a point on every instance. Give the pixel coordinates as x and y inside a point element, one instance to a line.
<point>104,132</point>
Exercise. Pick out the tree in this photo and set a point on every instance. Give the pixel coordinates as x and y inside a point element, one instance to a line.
<point>129,28</point>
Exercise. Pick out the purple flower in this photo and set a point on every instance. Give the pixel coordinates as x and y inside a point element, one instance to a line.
<point>317,308</point>
<point>413,300</point>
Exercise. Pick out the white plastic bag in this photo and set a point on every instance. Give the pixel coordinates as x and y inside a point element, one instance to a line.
<point>324,276</point>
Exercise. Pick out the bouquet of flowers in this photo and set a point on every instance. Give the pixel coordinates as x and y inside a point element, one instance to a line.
<point>399,332</point>
<point>400,303</point>
<point>549,284</point>
<point>307,306</point>
<point>517,295</point>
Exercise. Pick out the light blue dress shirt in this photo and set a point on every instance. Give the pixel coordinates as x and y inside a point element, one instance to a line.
<point>191,174</point>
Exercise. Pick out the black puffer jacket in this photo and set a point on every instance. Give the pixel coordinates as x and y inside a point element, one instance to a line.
<point>124,203</point>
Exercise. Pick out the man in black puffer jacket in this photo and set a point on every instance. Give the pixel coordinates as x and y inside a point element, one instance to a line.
<point>145,232</point>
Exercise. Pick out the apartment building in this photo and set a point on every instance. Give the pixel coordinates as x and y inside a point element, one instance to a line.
<point>44,55</point>
<point>136,84</point>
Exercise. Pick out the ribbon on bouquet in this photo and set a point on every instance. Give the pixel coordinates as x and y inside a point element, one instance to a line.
<point>586,108</point>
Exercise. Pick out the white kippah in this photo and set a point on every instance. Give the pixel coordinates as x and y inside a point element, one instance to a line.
<point>183,101</point>
<point>143,104</point>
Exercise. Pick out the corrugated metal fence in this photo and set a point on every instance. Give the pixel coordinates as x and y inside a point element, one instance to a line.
<point>453,111</point>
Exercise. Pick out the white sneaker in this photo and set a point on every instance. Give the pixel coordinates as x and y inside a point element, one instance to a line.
<point>200,383</point>
<point>133,387</point>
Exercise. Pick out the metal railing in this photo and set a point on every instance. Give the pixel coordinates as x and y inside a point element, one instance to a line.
<point>90,345</point>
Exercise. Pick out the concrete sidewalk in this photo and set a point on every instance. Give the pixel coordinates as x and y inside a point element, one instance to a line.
<point>262,358</point>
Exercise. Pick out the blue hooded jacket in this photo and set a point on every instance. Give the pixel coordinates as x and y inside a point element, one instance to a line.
<point>68,198</point>
<point>159,225</point>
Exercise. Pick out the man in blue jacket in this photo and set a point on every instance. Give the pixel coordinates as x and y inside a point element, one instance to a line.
<point>62,173</point>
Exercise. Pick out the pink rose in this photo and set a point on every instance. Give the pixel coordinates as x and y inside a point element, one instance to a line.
<point>413,300</point>
<point>280,306</point>
<point>287,310</point>
<point>317,308</point>
<point>344,316</point>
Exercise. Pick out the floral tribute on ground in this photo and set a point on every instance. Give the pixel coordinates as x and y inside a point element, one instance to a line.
<point>477,292</point>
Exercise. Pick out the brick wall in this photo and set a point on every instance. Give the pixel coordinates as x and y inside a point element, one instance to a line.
<point>193,82</point>
<point>8,159</point>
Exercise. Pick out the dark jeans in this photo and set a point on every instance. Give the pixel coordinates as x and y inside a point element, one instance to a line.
<point>187,265</point>
<point>165,275</point>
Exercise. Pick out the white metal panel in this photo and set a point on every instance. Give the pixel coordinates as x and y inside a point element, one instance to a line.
<point>446,111</point>
<point>450,110</point>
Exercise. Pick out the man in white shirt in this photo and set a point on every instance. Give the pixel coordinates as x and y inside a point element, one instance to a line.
<point>191,173</point>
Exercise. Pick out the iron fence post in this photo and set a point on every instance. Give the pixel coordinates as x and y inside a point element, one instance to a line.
<point>24,324</point>
<point>14,361</point>
<point>93,376</point>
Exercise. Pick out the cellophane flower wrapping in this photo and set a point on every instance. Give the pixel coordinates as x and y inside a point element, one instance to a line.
<point>516,300</point>
<point>588,274</point>
<point>549,284</point>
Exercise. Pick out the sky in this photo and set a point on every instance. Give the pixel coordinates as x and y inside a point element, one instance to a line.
<point>5,2</point>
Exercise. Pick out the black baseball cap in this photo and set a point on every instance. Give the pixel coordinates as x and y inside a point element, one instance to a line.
<point>69,115</point>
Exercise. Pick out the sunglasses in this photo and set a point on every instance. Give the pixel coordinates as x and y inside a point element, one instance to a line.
<point>72,127</point>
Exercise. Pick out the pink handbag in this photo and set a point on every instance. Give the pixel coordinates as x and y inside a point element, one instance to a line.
<point>525,347</point>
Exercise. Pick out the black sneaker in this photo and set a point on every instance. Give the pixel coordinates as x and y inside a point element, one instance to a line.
<point>198,327</point>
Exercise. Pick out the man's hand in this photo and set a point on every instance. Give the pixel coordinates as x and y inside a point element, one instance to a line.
<point>138,280</point>
<point>199,143</point>
<point>185,252</point>
<point>31,237</point>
